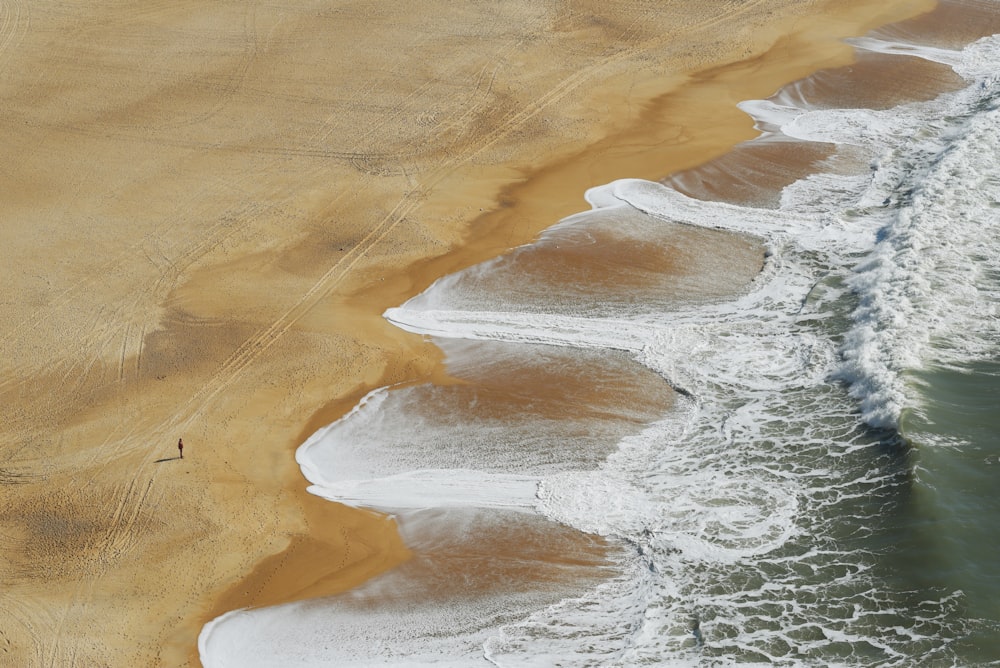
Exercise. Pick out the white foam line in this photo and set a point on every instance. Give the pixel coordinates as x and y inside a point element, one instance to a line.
<point>546,329</point>
<point>664,202</point>
<point>631,334</point>
<point>899,48</point>
<point>769,115</point>
<point>437,488</point>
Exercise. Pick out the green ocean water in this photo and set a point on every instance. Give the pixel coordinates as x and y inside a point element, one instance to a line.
<point>954,515</point>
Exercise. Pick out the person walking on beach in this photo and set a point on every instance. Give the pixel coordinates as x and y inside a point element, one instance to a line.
<point>180,447</point>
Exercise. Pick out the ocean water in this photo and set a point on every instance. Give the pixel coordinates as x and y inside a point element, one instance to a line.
<point>686,431</point>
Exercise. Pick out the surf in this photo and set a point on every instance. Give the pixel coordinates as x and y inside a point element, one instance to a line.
<point>758,477</point>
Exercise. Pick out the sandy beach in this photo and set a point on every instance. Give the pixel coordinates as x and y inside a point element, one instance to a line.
<point>206,212</point>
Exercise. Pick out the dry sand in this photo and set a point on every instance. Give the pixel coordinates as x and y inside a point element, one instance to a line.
<point>206,208</point>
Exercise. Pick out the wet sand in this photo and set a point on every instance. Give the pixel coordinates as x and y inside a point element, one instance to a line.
<point>754,172</point>
<point>206,211</point>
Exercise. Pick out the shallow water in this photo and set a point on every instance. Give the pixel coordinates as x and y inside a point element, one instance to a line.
<point>817,487</point>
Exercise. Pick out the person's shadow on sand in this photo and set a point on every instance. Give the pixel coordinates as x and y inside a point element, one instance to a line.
<point>166,459</point>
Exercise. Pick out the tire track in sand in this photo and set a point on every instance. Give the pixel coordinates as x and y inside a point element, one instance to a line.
<point>251,349</point>
<point>15,21</point>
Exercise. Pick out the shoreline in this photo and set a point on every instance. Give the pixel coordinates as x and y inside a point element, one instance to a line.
<point>526,199</point>
<point>140,547</point>
<point>897,94</point>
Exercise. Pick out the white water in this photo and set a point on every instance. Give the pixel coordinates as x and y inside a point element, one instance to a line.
<point>753,505</point>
